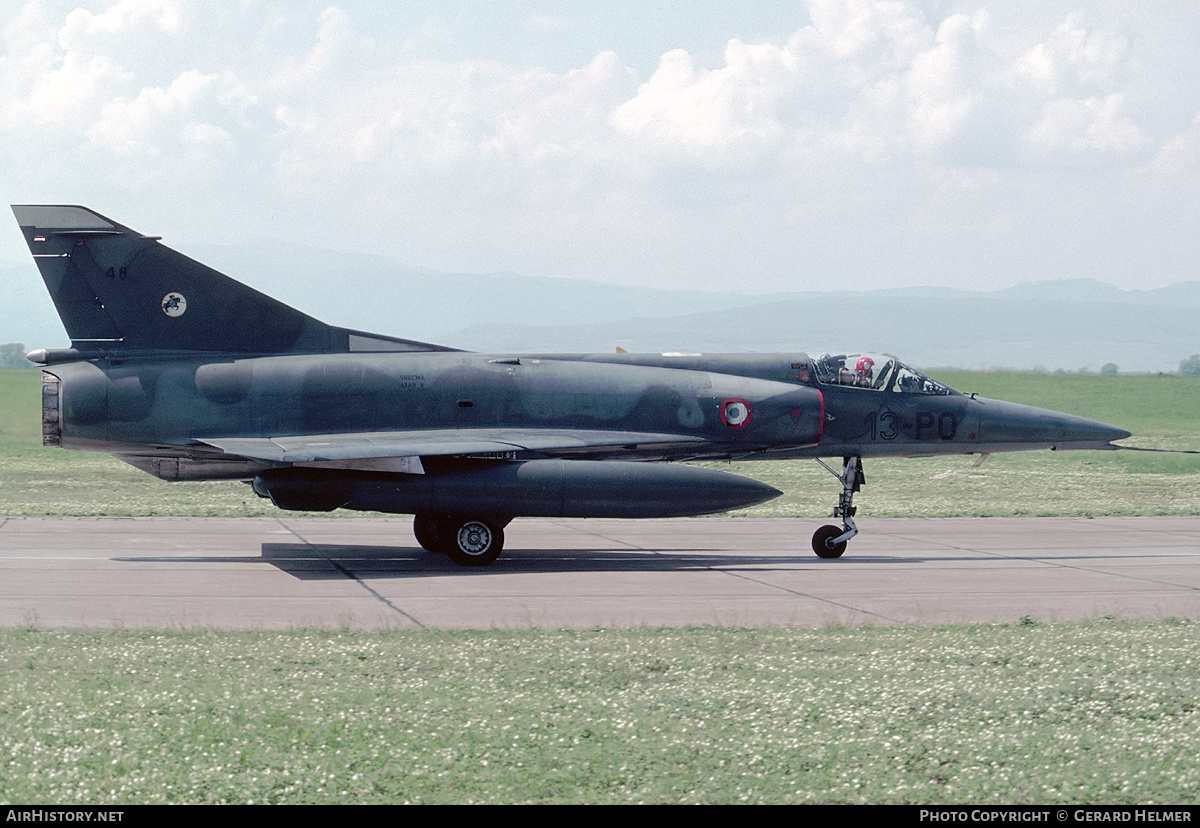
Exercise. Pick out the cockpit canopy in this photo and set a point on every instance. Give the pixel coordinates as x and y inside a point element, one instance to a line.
<point>875,371</point>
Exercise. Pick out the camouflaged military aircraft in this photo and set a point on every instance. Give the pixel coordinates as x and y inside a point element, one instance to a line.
<point>189,375</point>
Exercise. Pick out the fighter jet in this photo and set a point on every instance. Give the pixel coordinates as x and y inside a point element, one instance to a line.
<point>188,374</point>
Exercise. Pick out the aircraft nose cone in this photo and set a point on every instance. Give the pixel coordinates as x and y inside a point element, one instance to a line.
<point>1083,434</point>
<point>1005,422</point>
<point>1081,430</point>
<point>1114,433</point>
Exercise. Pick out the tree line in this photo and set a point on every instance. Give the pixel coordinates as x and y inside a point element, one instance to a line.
<point>12,355</point>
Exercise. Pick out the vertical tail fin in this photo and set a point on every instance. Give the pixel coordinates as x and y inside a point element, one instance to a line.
<point>116,289</point>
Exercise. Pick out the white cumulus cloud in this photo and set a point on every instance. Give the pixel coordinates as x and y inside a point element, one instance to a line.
<point>869,141</point>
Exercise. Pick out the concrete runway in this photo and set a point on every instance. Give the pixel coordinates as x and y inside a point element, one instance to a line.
<point>369,573</point>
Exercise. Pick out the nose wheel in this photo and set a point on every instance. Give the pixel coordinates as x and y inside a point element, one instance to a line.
<point>830,541</point>
<point>825,543</point>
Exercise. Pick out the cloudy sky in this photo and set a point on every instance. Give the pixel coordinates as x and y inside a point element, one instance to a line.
<point>757,146</point>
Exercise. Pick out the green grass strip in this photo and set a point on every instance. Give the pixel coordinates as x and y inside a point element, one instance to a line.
<point>1100,712</point>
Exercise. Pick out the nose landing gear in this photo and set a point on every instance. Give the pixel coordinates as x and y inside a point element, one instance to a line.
<point>830,541</point>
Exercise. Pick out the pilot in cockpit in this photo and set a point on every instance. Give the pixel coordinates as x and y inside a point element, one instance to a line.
<point>862,371</point>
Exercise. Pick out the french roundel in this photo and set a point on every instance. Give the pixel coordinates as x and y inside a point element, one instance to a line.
<point>735,413</point>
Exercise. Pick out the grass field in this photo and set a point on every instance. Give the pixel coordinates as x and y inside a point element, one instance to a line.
<point>1162,411</point>
<point>1104,712</point>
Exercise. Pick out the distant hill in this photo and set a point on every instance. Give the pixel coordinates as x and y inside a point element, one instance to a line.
<point>1077,324</point>
<point>1030,326</point>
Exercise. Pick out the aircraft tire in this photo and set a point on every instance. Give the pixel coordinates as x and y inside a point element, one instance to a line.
<point>474,542</point>
<point>821,545</point>
<point>433,532</point>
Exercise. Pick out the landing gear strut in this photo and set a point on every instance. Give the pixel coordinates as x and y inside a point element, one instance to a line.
<point>830,541</point>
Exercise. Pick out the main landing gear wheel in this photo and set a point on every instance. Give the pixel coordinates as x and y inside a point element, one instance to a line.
<point>475,542</point>
<point>821,542</point>
<point>466,541</point>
